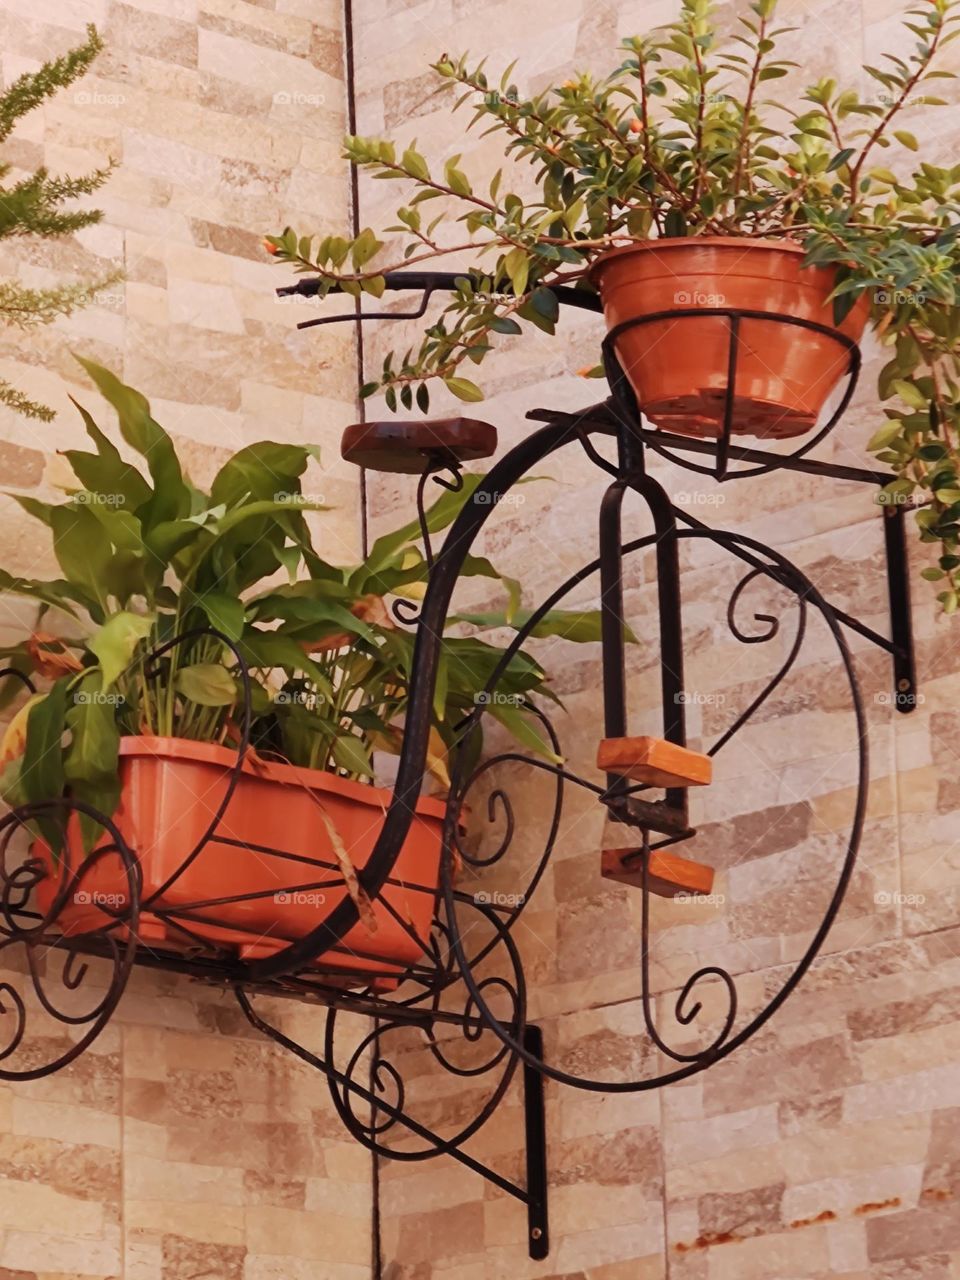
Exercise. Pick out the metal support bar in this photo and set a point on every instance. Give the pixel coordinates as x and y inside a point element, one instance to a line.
<point>381,1104</point>
<point>671,627</point>
<point>430,282</point>
<point>901,619</point>
<point>536,1134</point>
<point>652,815</point>
<point>603,417</point>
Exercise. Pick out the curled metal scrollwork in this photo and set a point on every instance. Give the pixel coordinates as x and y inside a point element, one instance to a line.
<point>688,1006</point>
<point>448,475</point>
<point>39,894</point>
<point>767,572</point>
<point>446,1004</point>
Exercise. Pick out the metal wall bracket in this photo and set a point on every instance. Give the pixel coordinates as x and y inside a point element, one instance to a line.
<point>609,417</point>
<point>536,1133</point>
<point>901,618</point>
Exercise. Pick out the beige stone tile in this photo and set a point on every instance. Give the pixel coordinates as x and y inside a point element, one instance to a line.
<point>147,1178</point>
<point>339,1238</point>
<point>38,1252</point>
<point>208,1223</point>
<point>31,1206</point>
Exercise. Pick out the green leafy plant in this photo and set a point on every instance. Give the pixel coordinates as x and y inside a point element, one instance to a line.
<point>147,558</point>
<point>34,206</point>
<point>683,138</point>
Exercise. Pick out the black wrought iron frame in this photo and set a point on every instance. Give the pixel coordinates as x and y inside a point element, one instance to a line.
<point>316,966</point>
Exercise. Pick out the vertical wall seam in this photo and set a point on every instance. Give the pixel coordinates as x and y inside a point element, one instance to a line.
<point>376,1256</point>
<point>351,97</point>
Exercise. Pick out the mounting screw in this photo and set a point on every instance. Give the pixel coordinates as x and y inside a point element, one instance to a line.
<point>536,1233</point>
<point>903,684</point>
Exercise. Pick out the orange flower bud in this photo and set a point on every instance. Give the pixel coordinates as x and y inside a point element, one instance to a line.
<point>269,246</point>
<point>636,125</point>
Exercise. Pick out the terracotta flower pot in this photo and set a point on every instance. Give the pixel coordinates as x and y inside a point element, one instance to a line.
<point>171,790</point>
<point>678,367</point>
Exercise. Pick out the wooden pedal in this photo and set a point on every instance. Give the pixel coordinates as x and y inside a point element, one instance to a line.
<point>655,762</point>
<point>667,876</point>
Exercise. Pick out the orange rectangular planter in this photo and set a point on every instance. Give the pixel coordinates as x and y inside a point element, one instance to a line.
<point>282,873</point>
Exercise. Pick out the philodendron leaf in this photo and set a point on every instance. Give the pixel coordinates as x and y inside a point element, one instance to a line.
<point>91,760</point>
<point>208,684</point>
<point>171,497</point>
<point>105,472</point>
<point>441,514</point>
<point>57,594</point>
<point>515,720</point>
<point>350,753</point>
<point>114,644</point>
<point>82,548</point>
<point>41,776</point>
<point>224,612</point>
<point>580,626</point>
<point>261,471</point>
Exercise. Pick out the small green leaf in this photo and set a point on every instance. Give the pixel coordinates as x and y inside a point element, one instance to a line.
<point>208,684</point>
<point>114,644</point>
<point>464,389</point>
<point>349,753</point>
<point>910,393</point>
<point>224,612</point>
<point>840,159</point>
<point>517,266</point>
<point>880,439</point>
<point>908,140</point>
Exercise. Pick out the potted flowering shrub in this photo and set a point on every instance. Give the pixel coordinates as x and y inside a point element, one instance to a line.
<point>177,604</point>
<point>676,184</point>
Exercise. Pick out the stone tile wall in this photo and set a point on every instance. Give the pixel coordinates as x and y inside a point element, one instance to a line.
<point>826,1145</point>
<point>182,1145</point>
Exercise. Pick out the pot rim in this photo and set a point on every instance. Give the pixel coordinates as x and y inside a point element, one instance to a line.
<point>666,243</point>
<point>196,752</point>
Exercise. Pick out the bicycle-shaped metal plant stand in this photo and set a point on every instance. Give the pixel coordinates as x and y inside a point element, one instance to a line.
<point>465,1001</point>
